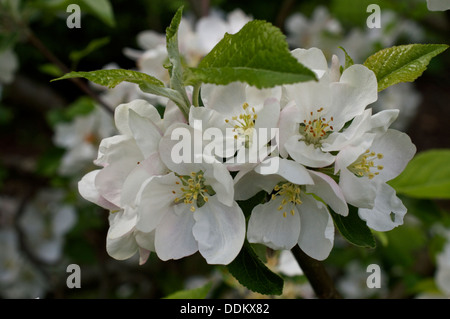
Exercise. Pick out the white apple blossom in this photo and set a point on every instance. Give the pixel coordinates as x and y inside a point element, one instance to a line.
<point>366,166</point>
<point>246,117</point>
<point>438,5</point>
<point>128,159</point>
<point>191,209</point>
<point>292,215</point>
<point>312,124</point>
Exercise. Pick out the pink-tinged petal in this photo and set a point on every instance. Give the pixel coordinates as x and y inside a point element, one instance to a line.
<point>173,237</point>
<point>329,191</point>
<point>388,211</point>
<point>267,225</point>
<point>141,107</point>
<point>143,256</point>
<point>154,200</point>
<point>219,231</point>
<point>317,232</point>
<point>87,189</point>
<point>122,248</point>
<point>121,223</point>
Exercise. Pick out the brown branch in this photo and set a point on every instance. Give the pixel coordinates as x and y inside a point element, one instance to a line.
<point>317,275</point>
<point>64,69</point>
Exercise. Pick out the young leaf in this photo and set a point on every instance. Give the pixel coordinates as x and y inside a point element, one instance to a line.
<point>426,176</point>
<point>258,54</point>
<point>111,78</point>
<point>197,293</point>
<point>348,60</point>
<point>249,270</point>
<point>354,229</point>
<point>102,9</point>
<point>76,56</point>
<point>175,67</point>
<point>403,63</point>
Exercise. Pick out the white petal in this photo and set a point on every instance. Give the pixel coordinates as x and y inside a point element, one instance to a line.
<point>173,237</point>
<point>141,107</point>
<point>383,119</point>
<point>154,200</point>
<point>123,247</point>
<point>225,99</point>
<point>357,89</point>
<point>397,150</point>
<point>121,223</point>
<point>219,178</point>
<point>313,59</point>
<point>388,212</point>
<point>145,132</point>
<point>307,154</point>
<point>317,233</point>
<point>328,190</point>
<point>290,170</point>
<point>288,125</point>
<point>248,184</point>
<point>87,189</point>
<point>219,231</point>
<point>358,191</point>
<point>267,225</point>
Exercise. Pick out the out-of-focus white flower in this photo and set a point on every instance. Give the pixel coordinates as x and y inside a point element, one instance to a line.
<point>8,66</point>
<point>442,276</point>
<point>438,5</point>
<point>80,138</point>
<point>45,222</point>
<point>320,31</point>
<point>287,265</point>
<point>195,40</point>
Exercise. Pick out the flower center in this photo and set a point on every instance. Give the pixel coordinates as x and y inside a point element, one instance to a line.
<point>291,197</point>
<point>193,188</point>
<point>365,165</point>
<point>316,129</point>
<point>244,124</point>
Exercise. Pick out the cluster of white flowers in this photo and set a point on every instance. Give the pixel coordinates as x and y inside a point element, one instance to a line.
<point>326,32</point>
<point>330,151</point>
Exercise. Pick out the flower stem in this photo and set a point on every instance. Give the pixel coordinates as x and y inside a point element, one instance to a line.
<point>317,275</point>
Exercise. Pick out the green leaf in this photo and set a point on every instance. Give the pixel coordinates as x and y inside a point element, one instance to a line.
<point>76,56</point>
<point>426,176</point>
<point>348,60</point>
<point>403,63</point>
<point>197,293</point>
<point>249,270</point>
<point>354,229</point>
<point>258,54</point>
<point>175,66</point>
<point>111,78</point>
<point>102,9</point>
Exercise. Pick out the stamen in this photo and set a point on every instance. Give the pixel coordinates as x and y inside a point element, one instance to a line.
<point>365,163</point>
<point>316,129</point>
<point>194,190</point>
<point>291,197</point>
